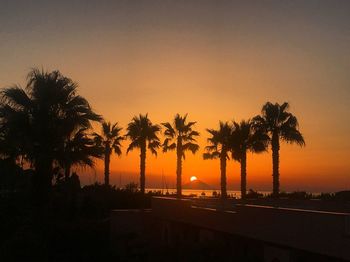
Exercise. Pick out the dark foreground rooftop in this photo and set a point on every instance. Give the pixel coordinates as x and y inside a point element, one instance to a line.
<point>267,230</point>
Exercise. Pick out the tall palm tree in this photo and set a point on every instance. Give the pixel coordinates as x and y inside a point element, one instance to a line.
<point>109,141</point>
<point>143,134</point>
<point>42,116</point>
<point>180,137</point>
<point>219,147</point>
<point>79,149</point>
<point>279,124</point>
<point>245,139</point>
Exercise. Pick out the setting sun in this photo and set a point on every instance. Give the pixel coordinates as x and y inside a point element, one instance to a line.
<point>193,178</point>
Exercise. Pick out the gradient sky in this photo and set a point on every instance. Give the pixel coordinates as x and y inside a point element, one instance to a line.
<point>216,60</point>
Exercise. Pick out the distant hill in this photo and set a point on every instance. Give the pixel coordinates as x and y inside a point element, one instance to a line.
<point>197,185</point>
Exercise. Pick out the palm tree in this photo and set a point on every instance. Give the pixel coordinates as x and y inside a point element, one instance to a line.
<point>279,124</point>
<point>245,139</point>
<point>180,136</point>
<point>78,150</point>
<point>143,134</point>
<point>219,147</point>
<point>109,141</point>
<point>41,117</point>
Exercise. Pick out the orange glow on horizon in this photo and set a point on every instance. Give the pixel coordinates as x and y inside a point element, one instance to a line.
<point>215,60</point>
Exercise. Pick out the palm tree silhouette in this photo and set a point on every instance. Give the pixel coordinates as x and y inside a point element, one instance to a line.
<point>41,117</point>
<point>279,124</point>
<point>143,134</point>
<point>244,139</point>
<point>109,141</point>
<point>78,150</point>
<point>180,136</point>
<point>219,147</point>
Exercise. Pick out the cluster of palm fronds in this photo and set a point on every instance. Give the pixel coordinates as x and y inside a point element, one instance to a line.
<point>47,126</point>
<point>254,135</point>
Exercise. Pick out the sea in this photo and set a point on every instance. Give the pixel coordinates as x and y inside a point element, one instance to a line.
<point>200,193</point>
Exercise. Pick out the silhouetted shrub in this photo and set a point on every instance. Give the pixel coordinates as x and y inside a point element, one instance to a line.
<point>13,178</point>
<point>324,196</point>
<point>98,200</point>
<point>342,196</point>
<point>296,195</point>
<point>132,187</point>
<point>253,194</point>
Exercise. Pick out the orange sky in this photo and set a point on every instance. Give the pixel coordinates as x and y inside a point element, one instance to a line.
<point>215,61</point>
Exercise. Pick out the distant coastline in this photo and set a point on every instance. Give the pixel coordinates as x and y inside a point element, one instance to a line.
<point>209,193</point>
<point>199,192</point>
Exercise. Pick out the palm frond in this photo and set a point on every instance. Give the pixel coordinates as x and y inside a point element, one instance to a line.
<point>293,136</point>
<point>220,141</point>
<point>169,131</point>
<point>16,97</point>
<point>212,155</point>
<point>275,119</point>
<point>191,147</point>
<point>167,147</point>
<point>134,144</point>
<point>140,130</point>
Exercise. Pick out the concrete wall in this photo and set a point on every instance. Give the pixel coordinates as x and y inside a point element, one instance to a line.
<point>323,233</point>
<point>131,236</point>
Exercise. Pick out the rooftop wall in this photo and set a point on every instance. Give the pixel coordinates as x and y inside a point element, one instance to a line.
<point>319,232</point>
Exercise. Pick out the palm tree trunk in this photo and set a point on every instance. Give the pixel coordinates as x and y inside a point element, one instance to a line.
<point>67,172</point>
<point>244,175</point>
<point>143,168</point>
<point>42,179</point>
<point>275,165</point>
<point>223,176</point>
<point>179,173</point>
<point>107,161</point>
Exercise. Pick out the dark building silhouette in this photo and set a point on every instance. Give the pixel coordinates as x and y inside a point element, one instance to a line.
<point>232,231</point>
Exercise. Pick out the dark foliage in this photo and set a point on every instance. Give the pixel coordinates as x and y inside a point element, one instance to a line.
<point>74,226</point>
<point>296,195</point>
<point>342,196</point>
<point>253,194</point>
<point>98,200</point>
<point>39,122</point>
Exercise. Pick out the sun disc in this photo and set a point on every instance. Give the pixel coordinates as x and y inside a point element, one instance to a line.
<point>193,178</point>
